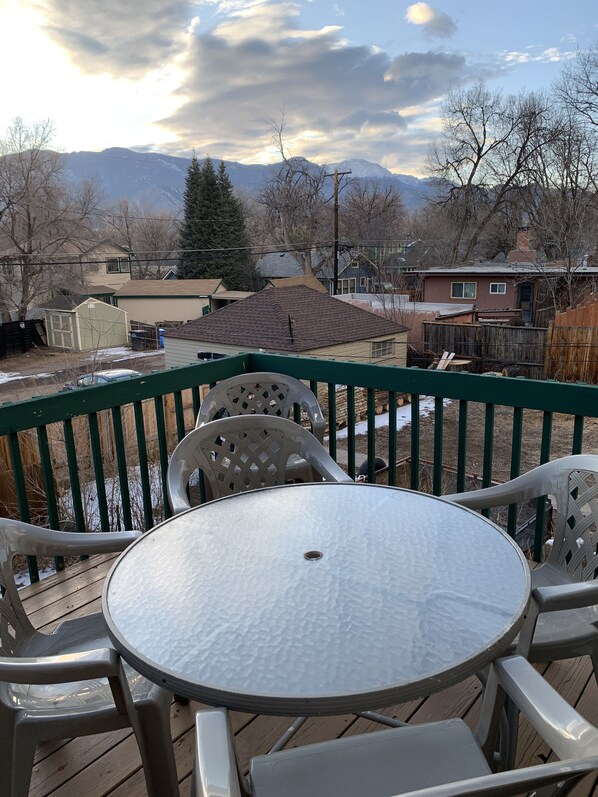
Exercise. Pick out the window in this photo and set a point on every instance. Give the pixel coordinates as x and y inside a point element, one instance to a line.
<point>118,265</point>
<point>463,290</point>
<point>498,287</point>
<point>363,282</point>
<point>347,285</point>
<point>381,348</point>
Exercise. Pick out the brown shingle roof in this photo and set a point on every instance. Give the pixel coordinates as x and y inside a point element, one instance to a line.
<point>168,288</point>
<point>287,319</point>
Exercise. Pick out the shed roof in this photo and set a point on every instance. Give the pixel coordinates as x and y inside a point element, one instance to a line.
<point>294,318</point>
<point>307,279</point>
<point>159,288</point>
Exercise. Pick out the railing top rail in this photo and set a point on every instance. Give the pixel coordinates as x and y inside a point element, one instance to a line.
<point>571,399</point>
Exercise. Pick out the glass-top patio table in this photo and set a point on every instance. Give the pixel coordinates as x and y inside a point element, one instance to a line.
<point>315,599</point>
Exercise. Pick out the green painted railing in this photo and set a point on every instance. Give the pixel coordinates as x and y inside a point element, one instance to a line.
<point>97,458</point>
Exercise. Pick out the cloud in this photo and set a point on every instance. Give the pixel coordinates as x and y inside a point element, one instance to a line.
<point>339,99</point>
<point>435,23</point>
<point>550,55</point>
<point>124,38</point>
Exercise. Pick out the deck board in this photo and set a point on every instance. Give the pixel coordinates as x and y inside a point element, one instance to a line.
<point>108,765</point>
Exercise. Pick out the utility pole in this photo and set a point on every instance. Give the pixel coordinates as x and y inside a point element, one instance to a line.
<point>336,174</point>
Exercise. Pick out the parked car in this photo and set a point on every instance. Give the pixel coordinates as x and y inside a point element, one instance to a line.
<point>100,378</point>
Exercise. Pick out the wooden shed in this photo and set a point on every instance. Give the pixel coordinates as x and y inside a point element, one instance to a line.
<point>82,323</point>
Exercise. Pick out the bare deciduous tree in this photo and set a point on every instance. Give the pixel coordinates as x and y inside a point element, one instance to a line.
<point>488,143</point>
<point>40,215</point>
<point>152,235</point>
<point>372,213</point>
<point>578,85</point>
<point>299,217</point>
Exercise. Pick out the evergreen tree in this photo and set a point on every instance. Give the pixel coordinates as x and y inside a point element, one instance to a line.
<point>213,226</point>
<point>187,236</point>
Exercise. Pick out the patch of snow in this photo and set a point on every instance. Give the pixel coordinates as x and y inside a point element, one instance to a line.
<point>122,352</point>
<point>22,578</point>
<point>9,376</point>
<point>403,417</point>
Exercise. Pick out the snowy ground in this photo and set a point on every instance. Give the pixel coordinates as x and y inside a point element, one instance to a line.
<point>403,418</point>
<point>116,354</point>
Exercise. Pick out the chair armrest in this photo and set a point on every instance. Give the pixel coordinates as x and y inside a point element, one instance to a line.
<point>215,764</point>
<point>36,541</point>
<point>566,596</point>
<point>502,784</point>
<point>563,728</point>
<point>100,663</point>
<point>325,465</point>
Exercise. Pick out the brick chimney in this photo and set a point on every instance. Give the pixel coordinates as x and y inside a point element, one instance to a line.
<point>523,252</point>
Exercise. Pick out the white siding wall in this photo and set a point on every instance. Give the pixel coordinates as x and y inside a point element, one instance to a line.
<point>184,352</point>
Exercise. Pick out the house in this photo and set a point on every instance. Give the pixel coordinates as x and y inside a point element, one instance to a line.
<point>83,323</point>
<point>104,264</point>
<point>280,265</point>
<point>294,319</point>
<point>156,301</point>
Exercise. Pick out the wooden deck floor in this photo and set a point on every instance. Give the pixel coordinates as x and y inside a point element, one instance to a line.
<point>109,764</point>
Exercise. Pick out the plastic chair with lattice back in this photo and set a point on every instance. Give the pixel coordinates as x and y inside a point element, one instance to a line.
<point>266,393</point>
<point>244,453</point>
<point>70,682</point>
<point>435,759</point>
<point>565,587</point>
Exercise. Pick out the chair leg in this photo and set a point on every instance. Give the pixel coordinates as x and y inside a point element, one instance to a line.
<point>157,753</point>
<point>17,752</point>
<point>595,663</point>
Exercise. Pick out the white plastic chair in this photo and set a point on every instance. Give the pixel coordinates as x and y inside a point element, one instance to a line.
<point>265,393</point>
<point>70,682</point>
<point>245,453</point>
<point>563,620</point>
<point>440,759</point>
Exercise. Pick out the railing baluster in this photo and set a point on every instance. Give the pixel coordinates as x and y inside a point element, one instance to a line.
<point>516,439</point>
<point>179,414</point>
<point>74,481</point>
<point>577,446</point>
<point>438,429</point>
<point>541,502</point>
<point>121,461</point>
<point>371,404</point>
<point>195,398</point>
<point>332,419</point>
<point>21,493</point>
<point>163,452</point>
<point>415,441</point>
<point>488,450</point>
<point>351,431</point>
<point>462,447</point>
<point>392,437</point>
<point>146,492</point>
<point>49,489</point>
<point>98,469</point>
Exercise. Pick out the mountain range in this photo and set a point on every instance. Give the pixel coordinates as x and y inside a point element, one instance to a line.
<point>159,180</point>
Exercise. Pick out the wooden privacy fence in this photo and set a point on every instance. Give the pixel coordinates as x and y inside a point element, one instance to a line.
<point>490,347</point>
<point>572,354</point>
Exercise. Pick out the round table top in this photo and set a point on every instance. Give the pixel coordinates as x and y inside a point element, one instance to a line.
<point>316,598</point>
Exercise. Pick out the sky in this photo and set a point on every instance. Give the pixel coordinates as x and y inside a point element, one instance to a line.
<point>347,79</point>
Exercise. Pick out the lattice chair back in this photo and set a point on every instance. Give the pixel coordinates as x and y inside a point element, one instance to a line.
<point>576,525</point>
<point>244,453</point>
<point>15,626</point>
<point>262,393</point>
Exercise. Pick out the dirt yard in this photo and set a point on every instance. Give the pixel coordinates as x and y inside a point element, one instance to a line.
<point>562,438</point>
<point>44,371</point>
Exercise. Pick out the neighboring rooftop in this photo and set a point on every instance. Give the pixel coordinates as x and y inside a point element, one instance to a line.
<point>66,302</point>
<point>401,303</point>
<point>159,287</point>
<point>307,279</point>
<point>294,318</point>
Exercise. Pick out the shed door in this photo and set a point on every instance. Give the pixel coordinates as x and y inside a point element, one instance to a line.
<point>61,331</point>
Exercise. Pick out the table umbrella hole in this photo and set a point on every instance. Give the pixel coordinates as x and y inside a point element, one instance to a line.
<point>312,556</point>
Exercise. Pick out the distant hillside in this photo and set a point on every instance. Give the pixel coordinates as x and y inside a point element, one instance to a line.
<point>160,179</point>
